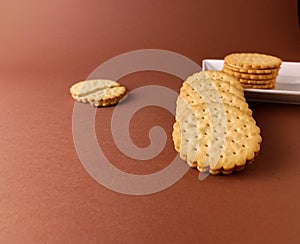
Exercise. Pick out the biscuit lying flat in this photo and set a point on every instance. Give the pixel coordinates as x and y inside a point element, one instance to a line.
<point>250,71</point>
<point>99,93</point>
<point>252,61</point>
<point>253,70</point>
<point>250,76</point>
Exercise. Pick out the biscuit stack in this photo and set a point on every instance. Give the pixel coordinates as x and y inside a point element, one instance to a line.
<point>214,129</point>
<point>253,70</point>
<point>98,92</point>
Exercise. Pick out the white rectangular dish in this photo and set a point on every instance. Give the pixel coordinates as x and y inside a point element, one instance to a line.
<point>287,83</point>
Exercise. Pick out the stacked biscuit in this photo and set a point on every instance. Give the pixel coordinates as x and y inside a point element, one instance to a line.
<point>214,129</point>
<point>253,70</point>
<point>98,92</point>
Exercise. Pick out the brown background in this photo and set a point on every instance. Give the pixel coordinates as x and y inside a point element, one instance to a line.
<point>46,196</point>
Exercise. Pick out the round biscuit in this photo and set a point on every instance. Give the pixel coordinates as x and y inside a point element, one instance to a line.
<point>195,98</point>
<point>241,143</point>
<point>256,82</point>
<point>98,92</point>
<point>250,71</point>
<point>253,60</point>
<point>215,80</point>
<point>239,75</point>
<point>259,86</point>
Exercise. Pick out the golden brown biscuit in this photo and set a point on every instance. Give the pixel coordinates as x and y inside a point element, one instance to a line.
<point>253,60</point>
<point>214,129</point>
<point>98,93</point>
<point>240,75</point>
<point>260,86</point>
<point>215,148</point>
<point>256,82</point>
<point>250,71</point>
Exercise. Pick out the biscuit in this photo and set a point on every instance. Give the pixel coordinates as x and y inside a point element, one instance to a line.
<point>260,86</point>
<point>250,71</point>
<point>253,60</point>
<point>194,97</point>
<point>206,149</point>
<point>98,92</point>
<point>214,129</point>
<point>250,76</point>
<point>217,77</point>
<point>216,80</point>
<point>258,82</point>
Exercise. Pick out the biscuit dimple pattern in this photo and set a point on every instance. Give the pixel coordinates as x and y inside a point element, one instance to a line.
<point>253,60</point>
<point>207,124</point>
<point>225,97</point>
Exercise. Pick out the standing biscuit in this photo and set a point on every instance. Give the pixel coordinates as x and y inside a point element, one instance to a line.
<point>214,129</point>
<point>194,97</point>
<point>216,81</point>
<point>215,142</point>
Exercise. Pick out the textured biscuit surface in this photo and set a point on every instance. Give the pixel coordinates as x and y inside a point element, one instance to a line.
<point>218,78</point>
<point>195,97</point>
<point>217,147</point>
<point>214,129</point>
<point>253,60</point>
<point>215,81</point>
<point>98,92</point>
